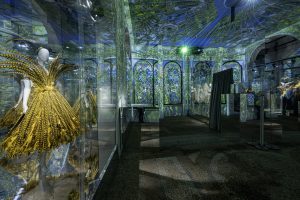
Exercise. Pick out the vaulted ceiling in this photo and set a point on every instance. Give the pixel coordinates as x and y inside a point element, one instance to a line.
<point>202,23</point>
<point>208,23</point>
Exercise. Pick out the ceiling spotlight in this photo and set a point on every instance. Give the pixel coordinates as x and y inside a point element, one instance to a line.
<point>184,50</point>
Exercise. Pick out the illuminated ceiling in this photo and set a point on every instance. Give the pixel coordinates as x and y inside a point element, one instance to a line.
<point>207,23</point>
<point>202,23</point>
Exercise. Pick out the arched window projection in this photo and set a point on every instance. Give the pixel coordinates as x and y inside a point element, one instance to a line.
<point>172,83</point>
<point>108,83</point>
<point>237,70</point>
<point>201,78</point>
<point>143,75</point>
<point>202,73</point>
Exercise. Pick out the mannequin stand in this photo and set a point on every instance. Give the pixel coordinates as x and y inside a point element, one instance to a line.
<point>261,145</point>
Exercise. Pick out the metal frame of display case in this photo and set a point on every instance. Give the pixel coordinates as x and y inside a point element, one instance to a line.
<point>274,62</point>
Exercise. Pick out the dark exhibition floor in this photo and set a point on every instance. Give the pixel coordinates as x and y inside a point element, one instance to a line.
<point>181,159</point>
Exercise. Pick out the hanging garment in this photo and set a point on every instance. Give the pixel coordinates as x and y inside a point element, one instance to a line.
<point>90,101</point>
<point>49,121</point>
<point>221,85</point>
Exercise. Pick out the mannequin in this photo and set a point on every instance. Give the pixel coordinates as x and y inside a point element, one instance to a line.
<point>48,120</point>
<point>12,116</point>
<point>43,57</point>
<point>26,84</point>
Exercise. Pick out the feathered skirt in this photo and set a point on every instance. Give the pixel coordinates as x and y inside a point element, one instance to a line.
<point>49,122</point>
<point>11,117</point>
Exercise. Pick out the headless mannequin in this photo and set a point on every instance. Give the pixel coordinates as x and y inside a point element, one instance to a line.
<point>43,57</point>
<point>26,84</point>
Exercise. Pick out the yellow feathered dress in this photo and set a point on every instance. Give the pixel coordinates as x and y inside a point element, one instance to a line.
<point>49,121</point>
<point>11,117</point>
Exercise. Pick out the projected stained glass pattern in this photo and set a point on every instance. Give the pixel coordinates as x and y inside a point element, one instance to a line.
<point>237,70</point>
<point>172,83</point>
<point>143,72</point>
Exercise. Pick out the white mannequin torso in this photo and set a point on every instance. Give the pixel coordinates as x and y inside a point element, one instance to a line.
<point>26,84</point>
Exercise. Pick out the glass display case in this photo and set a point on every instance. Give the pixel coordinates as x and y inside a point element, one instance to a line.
<point>72,169</point>
<point>283,94</point>
<point>275,76</point>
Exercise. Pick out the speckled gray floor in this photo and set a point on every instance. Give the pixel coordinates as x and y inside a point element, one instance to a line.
<point>227,169</point>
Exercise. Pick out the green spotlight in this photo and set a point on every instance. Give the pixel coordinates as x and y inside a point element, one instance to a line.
<point>184,50</point>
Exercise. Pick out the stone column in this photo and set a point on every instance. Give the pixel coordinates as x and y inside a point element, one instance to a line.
<point>132,82</point>
<point>189,95</point>
<point>185,85</point>
<point>160,82</point>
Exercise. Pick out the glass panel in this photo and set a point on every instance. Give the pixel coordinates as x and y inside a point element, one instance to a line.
<point>107,109</point>
<point>72,166</point>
